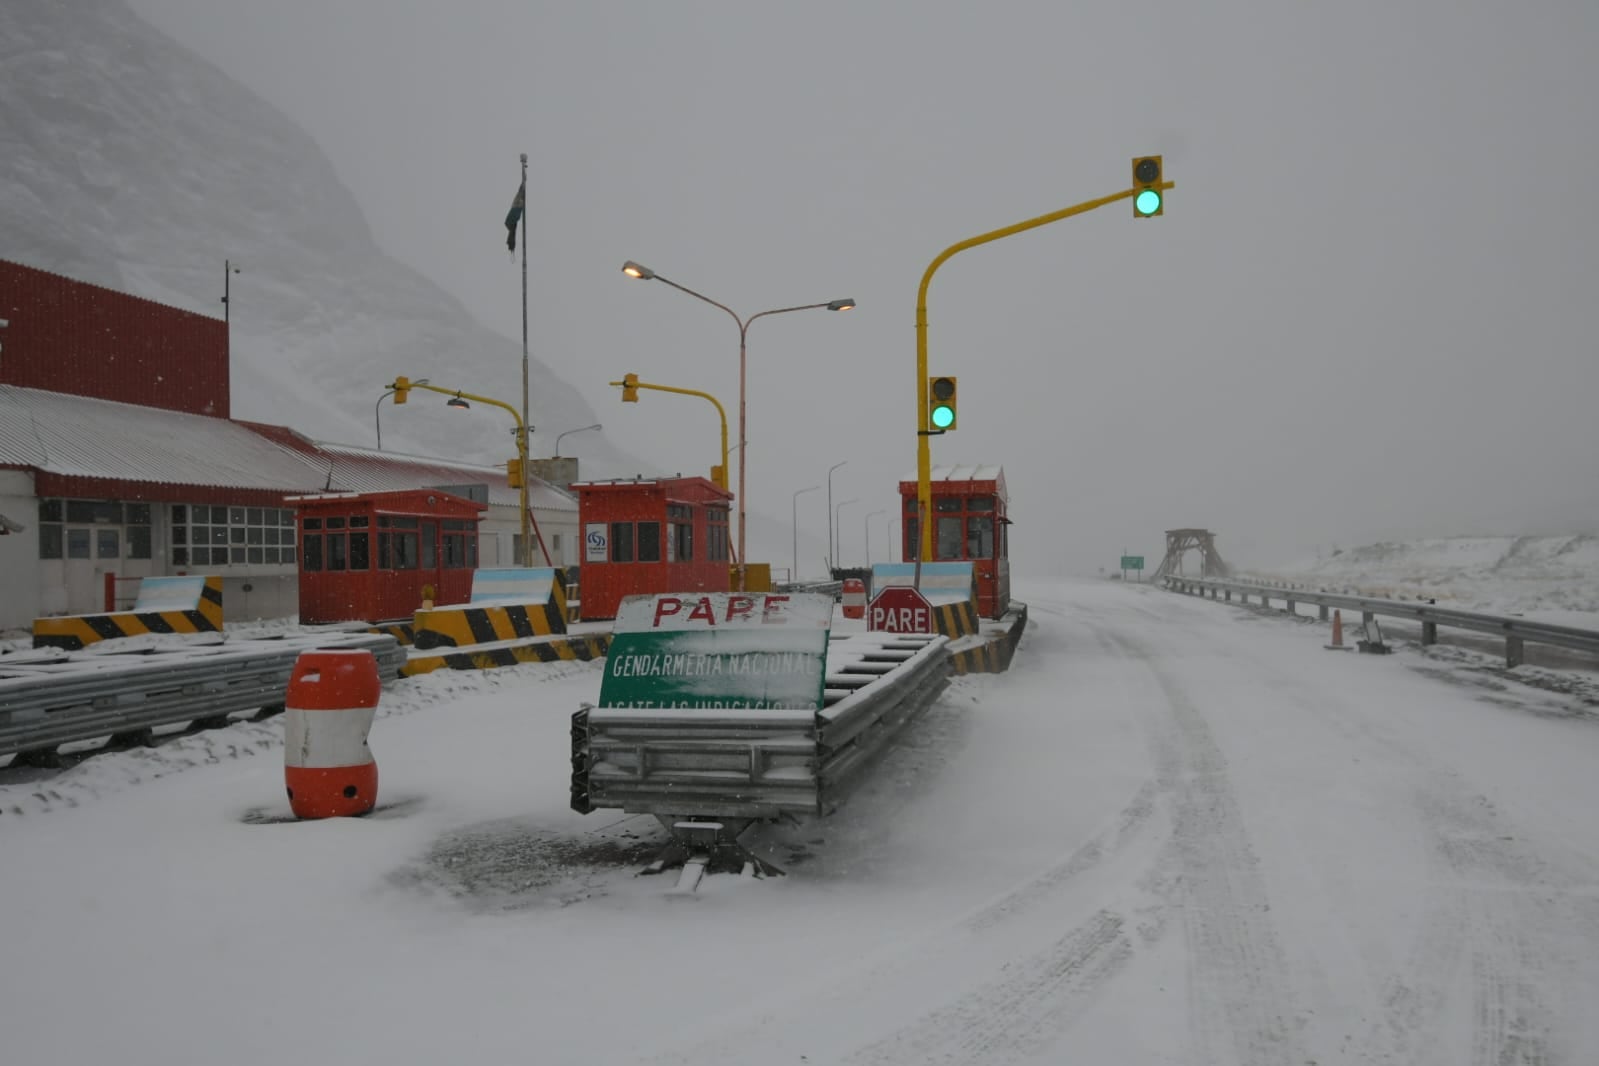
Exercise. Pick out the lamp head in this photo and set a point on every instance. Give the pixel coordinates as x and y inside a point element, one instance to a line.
<point>841,305</point>
<point>456,401</point>
<point>637,270</point>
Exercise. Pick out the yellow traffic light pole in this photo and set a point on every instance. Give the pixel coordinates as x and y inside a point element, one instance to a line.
<point>924,471</point>
<point>631,381</point>
<point>403,385</point>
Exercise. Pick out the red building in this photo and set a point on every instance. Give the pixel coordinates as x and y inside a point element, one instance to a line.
<point>649,536</point>
<point>970,521</point>
<point>374,556</point>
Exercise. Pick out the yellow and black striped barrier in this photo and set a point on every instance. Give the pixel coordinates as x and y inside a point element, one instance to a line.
<point>459,625</point>
<point>165,605</point>
<point>954,620</point>
<point>993,655</point>
<point>404,632</point>
<point>579,648</point>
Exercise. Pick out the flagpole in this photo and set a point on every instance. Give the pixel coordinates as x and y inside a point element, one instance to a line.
<point>525,443</point>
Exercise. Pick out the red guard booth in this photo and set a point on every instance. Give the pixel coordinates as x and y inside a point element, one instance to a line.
<point>970,521</point>
<point>366,557</point>
<point>648,536</point>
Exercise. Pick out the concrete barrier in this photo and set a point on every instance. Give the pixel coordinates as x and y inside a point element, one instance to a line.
<point>184,605</point>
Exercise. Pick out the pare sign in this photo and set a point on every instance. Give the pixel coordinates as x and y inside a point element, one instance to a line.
<point>709,612</point>
<point>900,609</point>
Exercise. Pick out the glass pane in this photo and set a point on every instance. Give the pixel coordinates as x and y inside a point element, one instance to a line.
<point>219,516</point>
<point>336,523</point>
<point>253,515</point>
<point>236,515</point>
<point>313,523</point>
<point>180,514</point>
<point>980,503</point>
<point>947,503</point>
<point>286,518</point>
<point>77,544</point>
<point>219,534</point>
<point>980,537</point>
<point>337,545</point>
<point>50,510</point>
<point>430,531</point>
<point>358,551</point>
<point>271,534</point>
<point>50,542</point>
<point>108,544</point>
<point>288,555</point>
<point>313,551</point>
<point>180,534</point>
<point>949,539</point>
<point>236,534</point>
<point>649,542</point>
<point>621,542</point>
<point>237,555</point>
<point>271,555</point>
<point>255,534</point>
<point>138,514</point>
<point>180,556</point>
<point>255,554</point>
<point>139,542</point>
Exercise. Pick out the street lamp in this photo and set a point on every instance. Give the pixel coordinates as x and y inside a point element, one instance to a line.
<point>836,511</point>
<point>458,400</point>
<point>377,412</point>
<point>569,432</point>
<point>644,273</point>
<point>869,518</point>
<point>794,574</point>
<point>832,552</point>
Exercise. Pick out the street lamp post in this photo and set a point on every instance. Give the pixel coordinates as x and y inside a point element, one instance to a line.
<point>644,273</point>
<point>377,412</point>
<point>459,399</point>
<point>794,574</point>
<point>836,511</point>
<point>869,518</point>
<point>569,432</point>
<point>631,383</point>
<point>832,552</point>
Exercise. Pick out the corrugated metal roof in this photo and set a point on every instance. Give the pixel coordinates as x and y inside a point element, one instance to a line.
<point>980,472</point>
<point>78,436</point>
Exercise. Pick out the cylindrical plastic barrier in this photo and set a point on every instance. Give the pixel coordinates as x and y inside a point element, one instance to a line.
<point>328,711</point>
<point>854,598</point>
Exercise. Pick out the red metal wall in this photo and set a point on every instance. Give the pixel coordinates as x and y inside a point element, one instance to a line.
<point>604,584</point>
<point>68,336</point>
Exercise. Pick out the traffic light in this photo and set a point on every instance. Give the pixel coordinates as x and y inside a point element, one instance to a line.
<point>1149,201</point>
<point>719,476</point>
<point>402,389</point>
<point>630,388</point>
<point>941,403</point>
<point>513,473</point>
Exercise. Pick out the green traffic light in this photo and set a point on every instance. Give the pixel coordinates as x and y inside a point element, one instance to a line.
<point>943,416</point>
<point>1148,202</point>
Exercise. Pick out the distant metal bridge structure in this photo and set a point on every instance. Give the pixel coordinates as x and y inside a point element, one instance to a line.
<point>1180,542</point>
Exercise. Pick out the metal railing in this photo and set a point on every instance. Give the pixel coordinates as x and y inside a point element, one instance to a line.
<point>1517,632</point>
<point>50,697</point>
<point>761,764</point>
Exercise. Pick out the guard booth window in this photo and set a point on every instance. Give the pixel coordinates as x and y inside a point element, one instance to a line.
<point>649,542</point>
<point>621,542</point>
<point>980,536</point>
<point>949,535</point>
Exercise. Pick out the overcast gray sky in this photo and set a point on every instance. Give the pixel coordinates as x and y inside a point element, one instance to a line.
<point>1369,310</point>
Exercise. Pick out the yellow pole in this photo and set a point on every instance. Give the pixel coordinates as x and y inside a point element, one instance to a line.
<point>721,482</point>
<point>924,472</point>
<point>521,453</point>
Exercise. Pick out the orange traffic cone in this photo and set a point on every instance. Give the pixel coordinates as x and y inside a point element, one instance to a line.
<point>1338,633</point>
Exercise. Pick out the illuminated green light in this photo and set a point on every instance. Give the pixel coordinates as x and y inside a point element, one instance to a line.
<point>943,416</point>
<point>1148,202</point>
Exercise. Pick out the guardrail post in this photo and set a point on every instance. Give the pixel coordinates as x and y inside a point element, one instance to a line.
<point>1323,612</point>
<point>1429,633</point>
<point>1229,594</point>
<point>1290,607</point>
<point>1515,652</point>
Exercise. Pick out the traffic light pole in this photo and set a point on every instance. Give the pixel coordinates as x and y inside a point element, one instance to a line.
<point>721,480</point>
<point>924,466</point>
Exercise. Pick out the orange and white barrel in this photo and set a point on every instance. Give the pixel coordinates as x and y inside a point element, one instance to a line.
<point>854,598</point>
<point>328,712</point>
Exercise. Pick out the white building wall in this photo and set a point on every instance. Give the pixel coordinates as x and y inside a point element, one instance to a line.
<point>22,579</point>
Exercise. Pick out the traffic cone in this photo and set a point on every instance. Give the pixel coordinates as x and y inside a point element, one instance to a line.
<point>1338,633</point>
<point>327,766</point>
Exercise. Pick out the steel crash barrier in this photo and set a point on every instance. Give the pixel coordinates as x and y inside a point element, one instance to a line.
<point>713,730</point>
<point>50,697</point>
<point>1516,632</point>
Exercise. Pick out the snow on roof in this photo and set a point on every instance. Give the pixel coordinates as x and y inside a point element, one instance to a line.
<point>980,472</point>
<point>78,436</point>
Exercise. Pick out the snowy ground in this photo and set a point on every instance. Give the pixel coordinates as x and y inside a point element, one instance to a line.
<point>1175,832</point>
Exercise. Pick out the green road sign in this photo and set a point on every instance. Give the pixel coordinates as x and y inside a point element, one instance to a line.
<point>1132,562</point>
<point>731,651</point>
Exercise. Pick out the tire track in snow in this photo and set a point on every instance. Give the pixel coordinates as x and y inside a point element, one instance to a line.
<point>1238,974</point>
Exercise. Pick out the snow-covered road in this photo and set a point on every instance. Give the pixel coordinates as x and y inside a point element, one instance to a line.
<point>1174,832</point>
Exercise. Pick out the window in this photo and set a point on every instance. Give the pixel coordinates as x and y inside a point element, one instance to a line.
<point>49,541</point>
<point>716,539</point>
<point>313,551</point>
<point>946,504</point>
<point>649,542</point>
<point>94,511</point>
<point>204,535</point>
<point>621,542</point>
<point>77,544</point>
<point>397,549</point>
<point>338,551</point>
<point>949,537</point>
<point>980,536</point>
<point>108,544</point>
<point>430,551</point>
<point>980,503</point>
<point>913,539</point>
<point>683,542</point>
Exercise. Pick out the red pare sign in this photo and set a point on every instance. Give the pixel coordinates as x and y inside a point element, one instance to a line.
<point>900,609</point>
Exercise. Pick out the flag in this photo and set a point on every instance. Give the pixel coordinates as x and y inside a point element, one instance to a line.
<point>514,216</point>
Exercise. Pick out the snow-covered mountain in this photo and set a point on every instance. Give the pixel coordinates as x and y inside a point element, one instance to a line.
<point>132,163</point>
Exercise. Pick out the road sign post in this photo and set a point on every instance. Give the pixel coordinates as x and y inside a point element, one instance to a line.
<point>1133,562</point>
<point>900,609</point>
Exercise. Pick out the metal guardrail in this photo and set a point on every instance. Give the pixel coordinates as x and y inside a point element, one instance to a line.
<point>50,697</point>
<point>760,764</point>
<point>1517,632</point>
